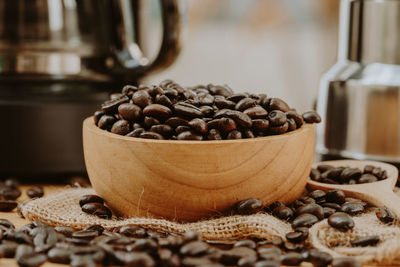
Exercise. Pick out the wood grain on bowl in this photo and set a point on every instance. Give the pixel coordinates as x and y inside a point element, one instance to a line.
<point>191,180</point>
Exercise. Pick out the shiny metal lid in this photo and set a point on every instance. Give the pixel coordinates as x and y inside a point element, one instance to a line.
<point>370,31</point>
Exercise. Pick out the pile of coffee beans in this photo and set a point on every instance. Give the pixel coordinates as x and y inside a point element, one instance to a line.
<point>204,112</point>
<point>346,175</point>
<point>94,205</point>
<point>10,192</point>
<point>130,245</point>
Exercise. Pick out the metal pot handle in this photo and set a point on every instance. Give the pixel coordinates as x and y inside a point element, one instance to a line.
<point>131,58</point>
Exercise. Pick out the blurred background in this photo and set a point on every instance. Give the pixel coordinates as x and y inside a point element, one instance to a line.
<point>278,47</point>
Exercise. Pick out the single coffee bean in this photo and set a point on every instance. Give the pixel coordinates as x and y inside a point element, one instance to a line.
<point>232,256</point>
<point>240,118</point>
<point>346,262</point>
<point>142,98</point>
<point>385,215</point>
<point>278,104</point>
<point>188,111</point>
<point>111,106</point>
<point>181,129</point>
<point>35,191</point>
<point>193,248</point>
<point>8,205</point>
<point>97,209</point>
<point>164,100</point>
<point>311,117</point>
<point>86,234</point>
<point>256,112</point>
<point>317,258</point>
<point>198,125</point>
<point>246,243</point>
<point>279,129</point>
<point>295,237</point>
<point>237,97</point>
<point>334,173</point>
<point>157,111</point>
<point>189,135</point>
<point>368,168</point>
<point>128,90</point>
<point>313,209</point>
<point>96,116</point>
<point>176,121</point>
<point>364,241</point>
<point>266,263</point>
<point>292,125</point>
<point>296,117</point>
<point>274,205</point>
<point>90,199</point>
<point>121,127</point>
<point>277,118</point>
<point>222,102</point>
<point>291,259</point>
<point>214,134</point>
<point>220,90</point>
<point>260,125</point>
<point>64,230</point>
<point>130,112</point>
<point>106,122</point>
<point>367,178</point>
<point>318,195</point>
<point>350,173</point>
<point>246,262</point>
<point>283,213</point>
<point>315,175</point>
<point>335,196</point>
<point>59,255</point>
<point>323,167</point>
<point>226,125</point>
<point>151,135</point>
<point>245,103</point>
<point>207,111</point>
<point>235,134</point>
<point>289,246</point>
<point>352,208</point>
<point>304,220</point>
<point>341,221</point>
<point>248,206</point>
<point>247,134</point>
<point>163,129</point>
<point>9,193</point>
<point>31,260</point>
<point>334,206</point>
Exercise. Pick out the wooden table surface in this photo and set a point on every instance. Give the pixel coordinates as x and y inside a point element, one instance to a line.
<point>15,218</point>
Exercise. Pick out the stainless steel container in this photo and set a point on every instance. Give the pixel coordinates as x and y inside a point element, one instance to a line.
<point>359,97</point>
<point>59,60</point>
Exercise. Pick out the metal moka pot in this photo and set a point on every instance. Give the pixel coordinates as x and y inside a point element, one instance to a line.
<point>359,97</point>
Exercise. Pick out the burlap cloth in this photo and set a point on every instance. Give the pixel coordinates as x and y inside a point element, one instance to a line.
<point>63,209</point>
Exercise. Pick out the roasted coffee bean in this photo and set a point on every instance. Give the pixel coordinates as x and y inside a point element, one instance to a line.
<point>142,98</point>
<point>292,125</point>
<point>232,256</point>
<point>235,134</point>
<point>315,175</point>
<point>296,237</point>
<point>189,135</point>
<point>311,117</point>
<point>181,129</point>
<point>96,116</point>
<point>307,200</point>
<point>350,173</point>
<point>245,103</point>
<point>335,196</point>
<point>31,260</point>
<point>188,111</point>
<point>207,111</point>
<point>136,132</point>
<point>335,173</point>
<point>352,208</point>
<point>317,258</point>
<point>220,90</point>
<point>90,199</point>
<point>246,262</point>
<point>248,134</point>
<point>260,125</point>
<point>304,220</point>
<point>240,118</point>
<point>164,100</point>
<point>318,195</point>
<point>157,111</point>
<point>130,112</point>
<point>289,246</point>
<point>323,167</point>
<point>9,193</point>
<point>248,206</point>
<point>296,117</point>
<point>313,209</point>
<point>368,168</point>
<point>226,125</point>
<point>385,215</point>
<point>128,90</point>
<point>279,129</point>
<point>86,234</point>
<point>176,121</point>
<point>283,213</point>
<point>246,243</point>
<point>121,127</point>
<point>8,205</point>
<point>256,112</point>
<point>193,248</point>
<point>364,241</point>
<point>106,122</point>
<point>237,97</point>
<point>111,106</point>
<point>291,259</point>
<point>334,206</point>
<point>367,178</point>
<point>346,262</point>
<point>163,129</point>
<point>341,221</point>
<point>277,118</point>
<point>35,191</point>
<point>97,209</point>
<point>198,125</point>
<point>151,135</point>
<point>64,230</point>
<point>59,255</point>
<point>8,249</point>
<point>274,205</point>
<point>277,104</point>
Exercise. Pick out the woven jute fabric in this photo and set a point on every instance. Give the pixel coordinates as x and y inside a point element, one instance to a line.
<point>63,209</point>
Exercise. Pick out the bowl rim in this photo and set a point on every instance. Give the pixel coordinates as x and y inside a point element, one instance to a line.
<point>88,124</point>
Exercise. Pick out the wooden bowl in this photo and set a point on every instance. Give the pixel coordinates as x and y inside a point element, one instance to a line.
<point>192,180</point>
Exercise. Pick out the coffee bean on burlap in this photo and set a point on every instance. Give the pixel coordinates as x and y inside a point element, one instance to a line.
<point>341,221</point>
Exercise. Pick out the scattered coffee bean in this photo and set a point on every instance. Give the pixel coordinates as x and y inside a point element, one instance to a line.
<point>352,208</point>
<point>304,220</point>
<point>341,221</point>
<point>8,205</point>
<point>311,117</point>
<point>90,199</point>
<point>385,215</point>
<point>346,262</point>
<point>97,209</point>
<point>292,259</point>
<point>364,241</point>
<point>35,192</point>
<point>248,206</point>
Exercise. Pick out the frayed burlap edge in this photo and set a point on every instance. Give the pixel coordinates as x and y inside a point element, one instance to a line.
<point>63,209</point>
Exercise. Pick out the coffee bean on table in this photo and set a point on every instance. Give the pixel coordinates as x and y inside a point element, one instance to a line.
<point>311,117</point>
<point>90,199</point>
<point>317,258</point>
<point>8,205</point>
<point>385,215</point>
<point>35,192</point>
<point>341,221</point>
<point>364,241</point>
<point>304,220</point>
<point>346,262</point>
